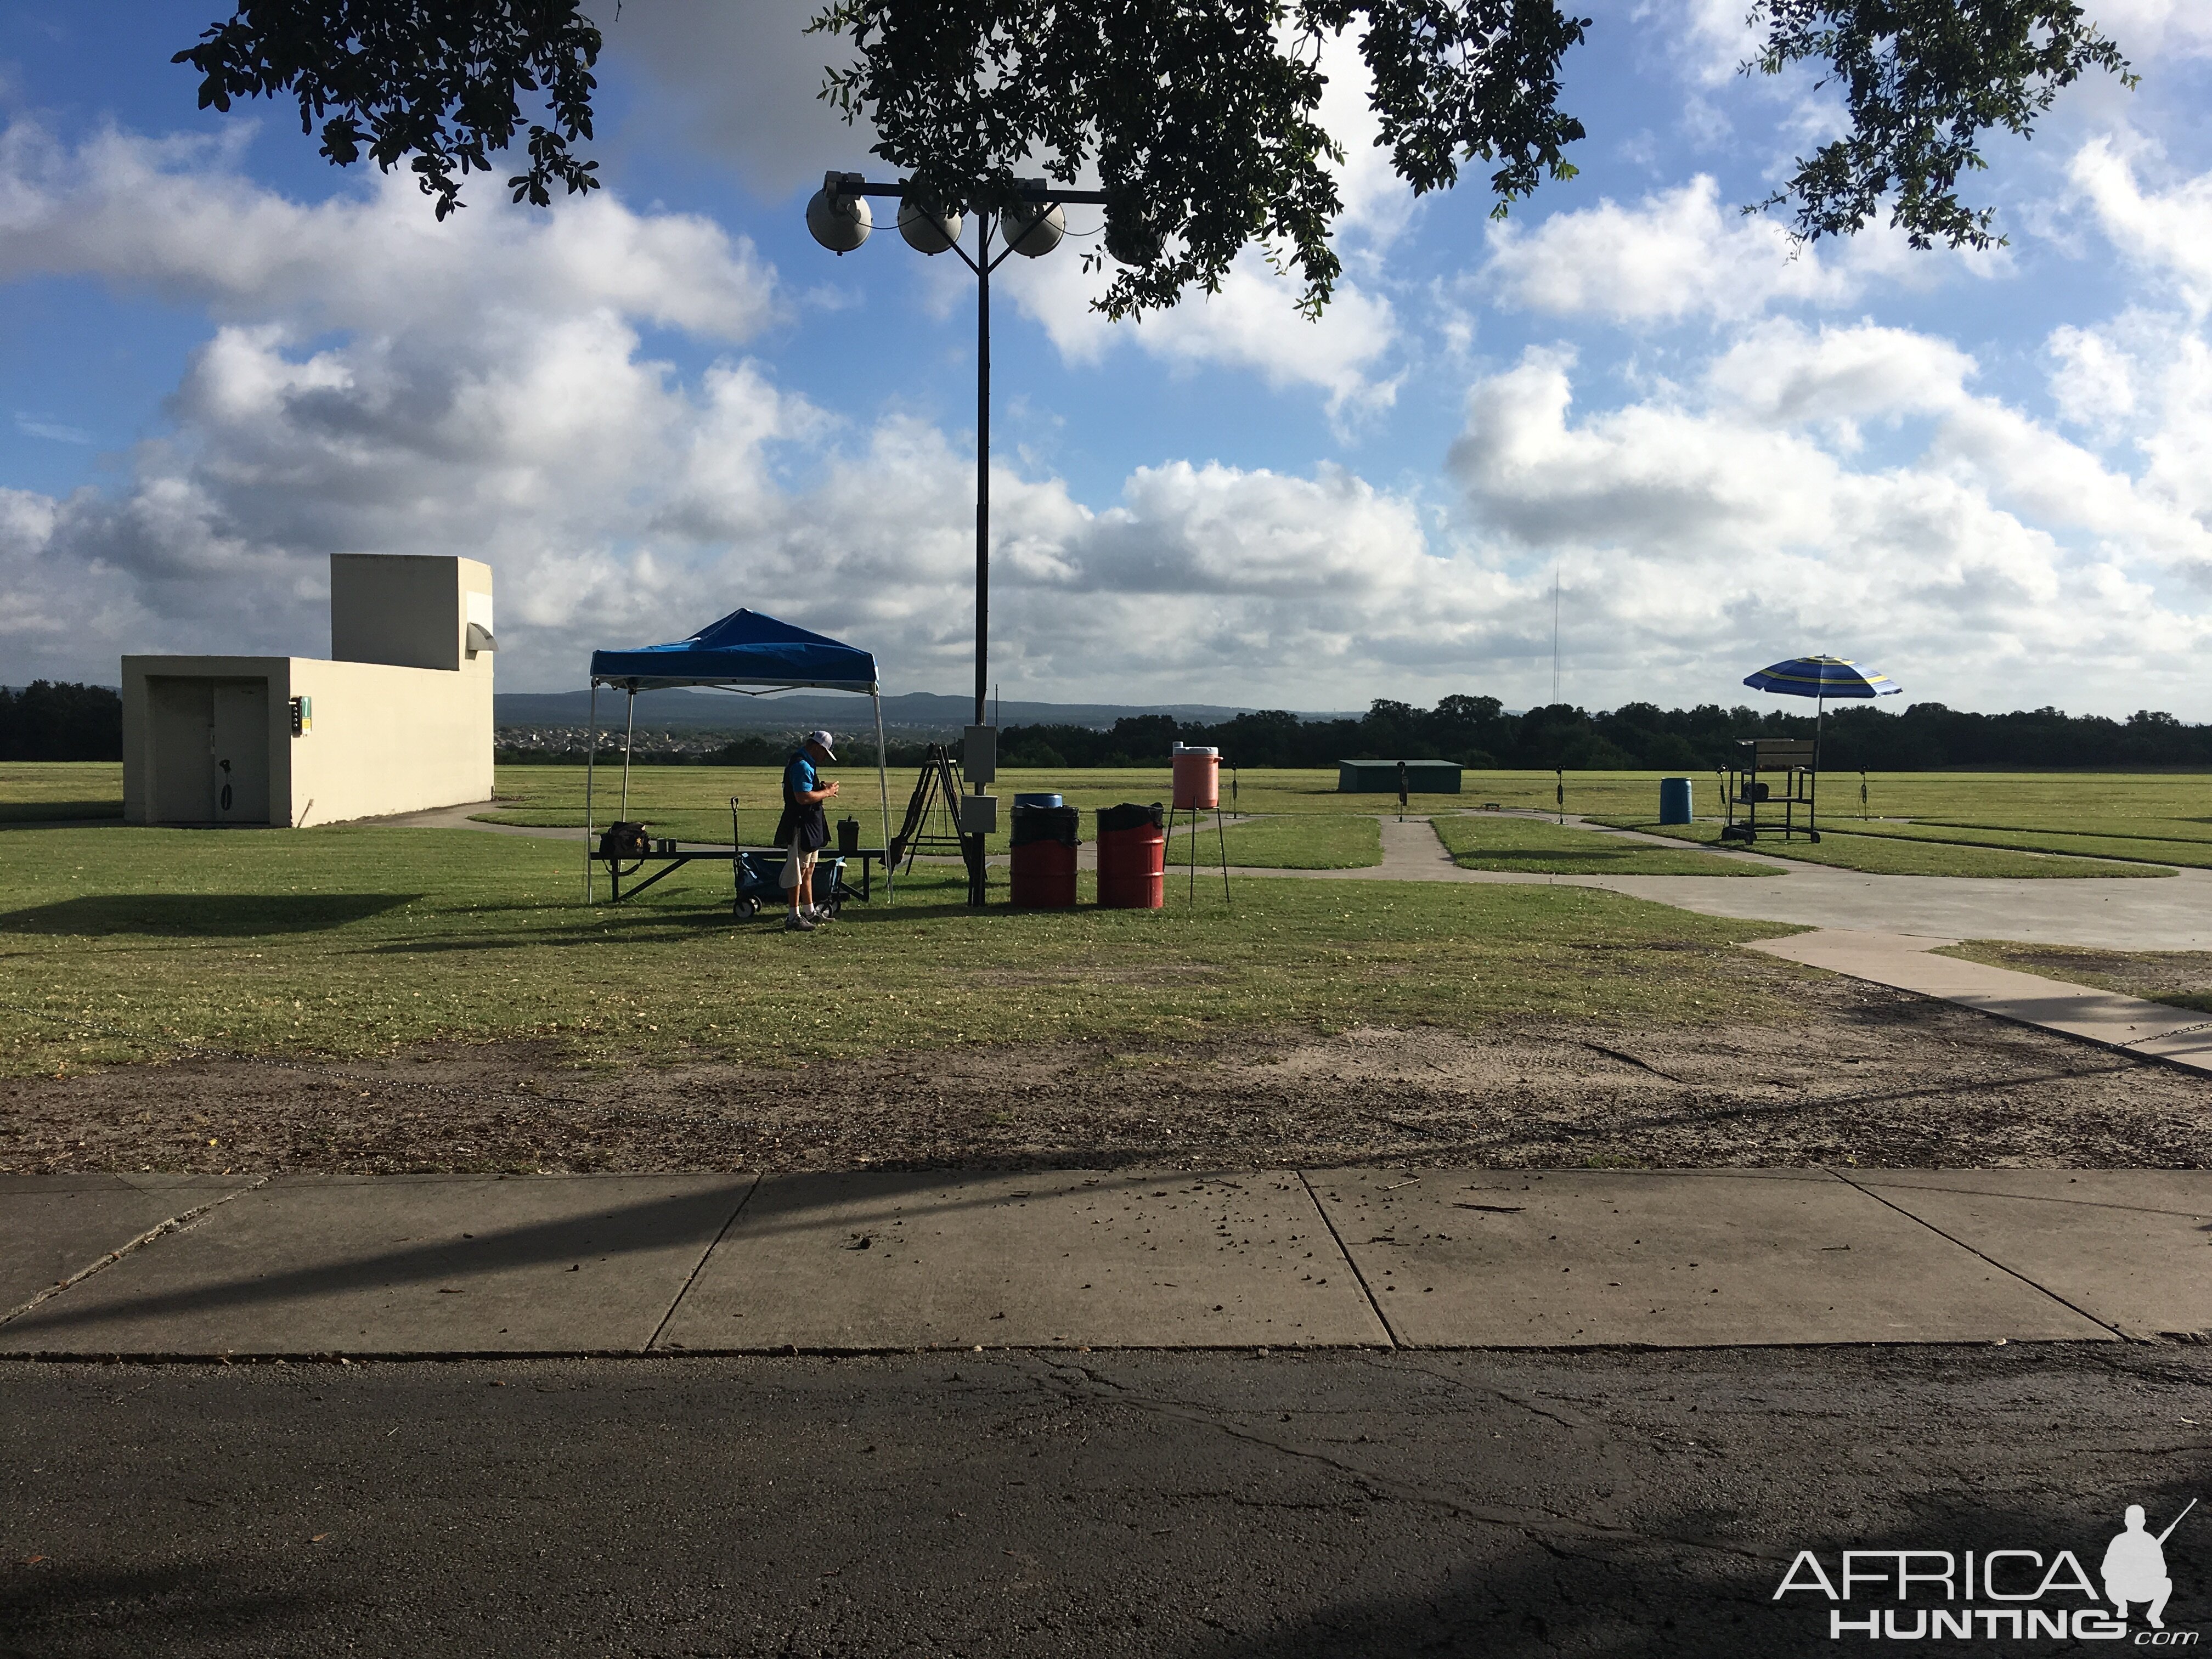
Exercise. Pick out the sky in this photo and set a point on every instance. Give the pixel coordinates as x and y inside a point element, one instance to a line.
<point>1628,404</point>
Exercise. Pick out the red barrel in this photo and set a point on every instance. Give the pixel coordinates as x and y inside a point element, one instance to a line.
<point>1043,876</point>
<point>1133,868</point>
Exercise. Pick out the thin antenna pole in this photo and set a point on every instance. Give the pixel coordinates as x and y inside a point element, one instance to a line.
<point>982,457</point>
<point>1555,633</point>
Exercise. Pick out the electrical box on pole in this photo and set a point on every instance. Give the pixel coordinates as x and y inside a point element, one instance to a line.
<point>979,754</point>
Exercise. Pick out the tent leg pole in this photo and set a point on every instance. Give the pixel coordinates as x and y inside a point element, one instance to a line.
<point>591,750</point>
<point>629,727</point>
<point>883,793</point>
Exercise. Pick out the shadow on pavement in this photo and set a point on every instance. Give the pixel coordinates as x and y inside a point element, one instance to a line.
<point>695,1216</point>
<point>1680,1585</point>
<point>52,1608</point>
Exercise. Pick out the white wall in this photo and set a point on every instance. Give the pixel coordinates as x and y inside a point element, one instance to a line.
<point>402,720</point>
<point>388,739</point>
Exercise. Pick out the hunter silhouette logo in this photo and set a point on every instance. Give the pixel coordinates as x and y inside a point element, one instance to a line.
<point>2134,1566</point>
<point>1915,1594</point>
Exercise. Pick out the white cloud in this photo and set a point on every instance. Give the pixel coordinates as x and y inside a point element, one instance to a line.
<point>736,80</point>
<point>1704,531</point>
<point>375,388</point>
<point>1681,254</point>
<point>2092,382</point>
<point>174,217</point>
<point>1710,39</point>
<point>1251,324</point>
<point>2169,232</point>
<point>1778,372</point>
<point>2150,30</point>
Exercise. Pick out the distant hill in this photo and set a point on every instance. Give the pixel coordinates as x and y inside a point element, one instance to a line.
<point>909,715</point>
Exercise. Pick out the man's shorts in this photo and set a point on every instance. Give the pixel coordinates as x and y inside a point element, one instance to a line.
<point>797,866</point>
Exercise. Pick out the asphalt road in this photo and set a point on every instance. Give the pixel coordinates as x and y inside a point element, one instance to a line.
<point>1345,1504</point>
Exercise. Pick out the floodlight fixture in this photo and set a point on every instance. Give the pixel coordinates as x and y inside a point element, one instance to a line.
<point>1032,225</point>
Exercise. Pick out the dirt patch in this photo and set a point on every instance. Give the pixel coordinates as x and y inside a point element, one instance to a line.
<point>1867,1076</point>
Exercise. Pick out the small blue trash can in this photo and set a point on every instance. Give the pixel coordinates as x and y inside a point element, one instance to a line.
<point>1673,800</point>
<point>1036,800</point>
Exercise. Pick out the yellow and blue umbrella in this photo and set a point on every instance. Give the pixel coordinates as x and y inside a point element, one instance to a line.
<point>1820,678</point>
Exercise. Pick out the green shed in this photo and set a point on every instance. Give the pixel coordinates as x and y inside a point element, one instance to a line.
<point>1380,777</point>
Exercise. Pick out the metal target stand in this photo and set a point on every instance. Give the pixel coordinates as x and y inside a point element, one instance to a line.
<point>1220,832</point>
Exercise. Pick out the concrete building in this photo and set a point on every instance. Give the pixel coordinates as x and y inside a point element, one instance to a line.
<point>398,720</point>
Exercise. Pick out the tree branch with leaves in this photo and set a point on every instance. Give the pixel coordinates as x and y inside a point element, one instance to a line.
<point>1200,118</point>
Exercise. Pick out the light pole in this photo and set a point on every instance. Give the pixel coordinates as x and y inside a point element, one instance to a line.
<point>838,217</point>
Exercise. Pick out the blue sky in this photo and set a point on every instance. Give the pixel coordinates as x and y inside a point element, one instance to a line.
<point>1991,475</point>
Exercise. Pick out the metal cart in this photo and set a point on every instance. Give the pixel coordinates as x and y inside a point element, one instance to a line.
<point>1780,775</point>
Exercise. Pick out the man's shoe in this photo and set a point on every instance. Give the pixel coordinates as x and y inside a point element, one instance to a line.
<point>797,925</point>
<point>823,916</point>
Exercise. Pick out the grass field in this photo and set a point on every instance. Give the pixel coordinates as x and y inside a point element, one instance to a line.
<point>1309,842</point>
<point>1897,856</point>
<point>31,791</point>
<point>2161,848</point>
<point>1486,841</point>
<point>2156,817</point>
<point>693,802</point>
<point>2183,978</point>
<point>133,944</point>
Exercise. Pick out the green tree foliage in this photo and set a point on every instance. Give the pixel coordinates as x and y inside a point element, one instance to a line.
<point>50,722</point>
<point>1481,733</point>
<point>1201,119</point>
<point>1923,80</point>
<point>438,81</point>
<point>1478,732</point>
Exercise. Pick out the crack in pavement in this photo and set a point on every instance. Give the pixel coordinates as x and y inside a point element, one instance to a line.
<point>1095,1387</point>
<point>174,1224</point>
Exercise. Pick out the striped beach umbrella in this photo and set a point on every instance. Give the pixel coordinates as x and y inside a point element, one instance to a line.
<point>1821,678</point>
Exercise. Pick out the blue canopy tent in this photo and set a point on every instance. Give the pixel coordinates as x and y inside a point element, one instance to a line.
<point>746,653</point>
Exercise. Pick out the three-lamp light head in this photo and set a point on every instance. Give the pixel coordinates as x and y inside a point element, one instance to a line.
<point>838,217</point>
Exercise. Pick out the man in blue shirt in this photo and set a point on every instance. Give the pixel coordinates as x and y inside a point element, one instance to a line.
<point>804,828</point>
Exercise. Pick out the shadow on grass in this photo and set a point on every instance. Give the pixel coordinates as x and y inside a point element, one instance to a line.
<point>221,915</point>
<point>622,924</point>
<point>32,814</point>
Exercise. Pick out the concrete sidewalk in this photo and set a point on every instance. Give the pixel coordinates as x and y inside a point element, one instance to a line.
<point>1906,963</point>
<point>876,1261</point>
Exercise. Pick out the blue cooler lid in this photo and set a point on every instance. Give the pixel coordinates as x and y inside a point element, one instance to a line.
<point>1036,800</point>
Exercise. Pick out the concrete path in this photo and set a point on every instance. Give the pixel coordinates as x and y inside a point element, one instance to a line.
<point>2128,912</point>
<point>883,1261</point>
<point>2153,1029</point>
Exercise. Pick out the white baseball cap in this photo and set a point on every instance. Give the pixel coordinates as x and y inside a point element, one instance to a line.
<point>824,742</point>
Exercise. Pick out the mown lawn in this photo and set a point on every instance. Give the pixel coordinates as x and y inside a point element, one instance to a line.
<point>1895,855</point>
<point>128,944</point>
<point>693,802</point>
<point>1486,841</point>
<point>2159,848</point>
<point>2177,805</point>
<point>1306,842</point>
<point>33,791</point>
